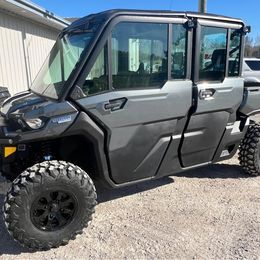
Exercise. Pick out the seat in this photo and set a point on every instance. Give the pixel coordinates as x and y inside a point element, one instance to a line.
<point>219,59</point>
<point>216,70</point>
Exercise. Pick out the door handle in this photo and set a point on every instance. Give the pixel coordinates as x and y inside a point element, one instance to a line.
<point>115,104</point>
<point>207,93</point>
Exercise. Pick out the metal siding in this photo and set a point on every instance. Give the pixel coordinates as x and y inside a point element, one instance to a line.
<point>38,44</point>
<point>24,45</point>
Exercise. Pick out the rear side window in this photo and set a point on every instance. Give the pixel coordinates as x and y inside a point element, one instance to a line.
<point>139,55</point>
<point>179,51</point>
<point>234,53</point>
<point>213,46</point>
<point>253,64</point>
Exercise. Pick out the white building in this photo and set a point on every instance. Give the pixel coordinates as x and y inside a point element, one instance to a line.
<point>27,34</point>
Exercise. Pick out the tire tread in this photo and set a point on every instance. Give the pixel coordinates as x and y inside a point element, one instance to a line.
<point>35,175</point>
<point>249,151</point>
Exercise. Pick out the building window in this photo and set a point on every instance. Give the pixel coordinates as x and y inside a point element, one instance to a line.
<point>179,51</point>
<point>97,79</point>
<point>234,53</point>
<point>213,46</point>
<point>139,55</point>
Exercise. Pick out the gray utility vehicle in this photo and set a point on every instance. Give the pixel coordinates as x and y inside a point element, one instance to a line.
<point>124,96</point>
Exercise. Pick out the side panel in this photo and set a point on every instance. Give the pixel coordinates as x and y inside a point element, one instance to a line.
<point>136,152</point>
<point>140,132</point>
<point>208,123</point>
<point>202,137</point>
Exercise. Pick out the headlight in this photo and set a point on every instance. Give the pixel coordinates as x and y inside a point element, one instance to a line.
<point>35,123</point>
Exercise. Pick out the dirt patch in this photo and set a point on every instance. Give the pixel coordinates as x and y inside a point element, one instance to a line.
<point>208,213</point>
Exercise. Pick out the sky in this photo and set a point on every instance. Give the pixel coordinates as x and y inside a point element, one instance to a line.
<point>248,10</point>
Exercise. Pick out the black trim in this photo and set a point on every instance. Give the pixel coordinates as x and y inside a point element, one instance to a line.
<point>110,14</point>
<point>227,55</point>
<point>242,53</point>
<point>109,60</point>
<point>85,126</point>
<point>189,52</point>
<point>170,35</point>
<point>196,58</point>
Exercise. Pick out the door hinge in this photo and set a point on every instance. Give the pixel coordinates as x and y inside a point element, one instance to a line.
<point>191,24</point>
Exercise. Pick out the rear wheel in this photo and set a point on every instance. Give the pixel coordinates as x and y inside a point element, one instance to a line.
<point>249,152</point>
<point>49,204</point>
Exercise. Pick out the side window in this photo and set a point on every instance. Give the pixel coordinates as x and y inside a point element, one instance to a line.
<point>54,73</point>
<point>234,53</point>
<point>139,55</point>
<point>97,79</point>
<point>67,54</point>
<point>179,51</point>
<point>213,46</point>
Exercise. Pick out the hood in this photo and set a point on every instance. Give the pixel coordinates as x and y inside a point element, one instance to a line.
<point>21,101</point>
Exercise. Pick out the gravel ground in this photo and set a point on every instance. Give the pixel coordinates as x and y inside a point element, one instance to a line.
<point>209,213</point>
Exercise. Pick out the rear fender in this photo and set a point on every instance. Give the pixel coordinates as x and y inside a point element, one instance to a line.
<point>251,101</point>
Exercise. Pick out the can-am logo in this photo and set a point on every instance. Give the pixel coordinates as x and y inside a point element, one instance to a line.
<point>62,119</point>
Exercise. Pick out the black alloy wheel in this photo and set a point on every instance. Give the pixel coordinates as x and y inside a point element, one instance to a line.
<point>53,210</point>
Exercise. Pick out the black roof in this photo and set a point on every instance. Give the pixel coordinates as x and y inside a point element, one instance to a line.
<point>110,14</point>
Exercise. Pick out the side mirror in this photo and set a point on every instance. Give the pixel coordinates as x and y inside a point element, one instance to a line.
<point>246,29</point>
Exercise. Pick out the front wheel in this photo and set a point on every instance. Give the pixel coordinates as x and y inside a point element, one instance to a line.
<point>49,204</point>
<point>249,152</point>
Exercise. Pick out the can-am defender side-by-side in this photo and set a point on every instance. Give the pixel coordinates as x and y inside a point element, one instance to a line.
<point>124,96</point>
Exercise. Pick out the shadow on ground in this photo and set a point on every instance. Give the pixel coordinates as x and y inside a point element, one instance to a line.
<point>218,171</point>
<point>105,194</point>
<point>215,171</point>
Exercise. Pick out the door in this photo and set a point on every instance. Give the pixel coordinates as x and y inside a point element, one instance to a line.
<point>218,91</point>
<point>139,92</point>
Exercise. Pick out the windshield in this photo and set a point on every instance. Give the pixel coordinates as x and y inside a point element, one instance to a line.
<point>59,64</point>
<point>253,64</point>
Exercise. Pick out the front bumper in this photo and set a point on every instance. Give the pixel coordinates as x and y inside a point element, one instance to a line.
<point>7,136</point>
<point>9,140</point>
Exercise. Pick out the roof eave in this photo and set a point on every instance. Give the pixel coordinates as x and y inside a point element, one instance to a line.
<point>34,12</point>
